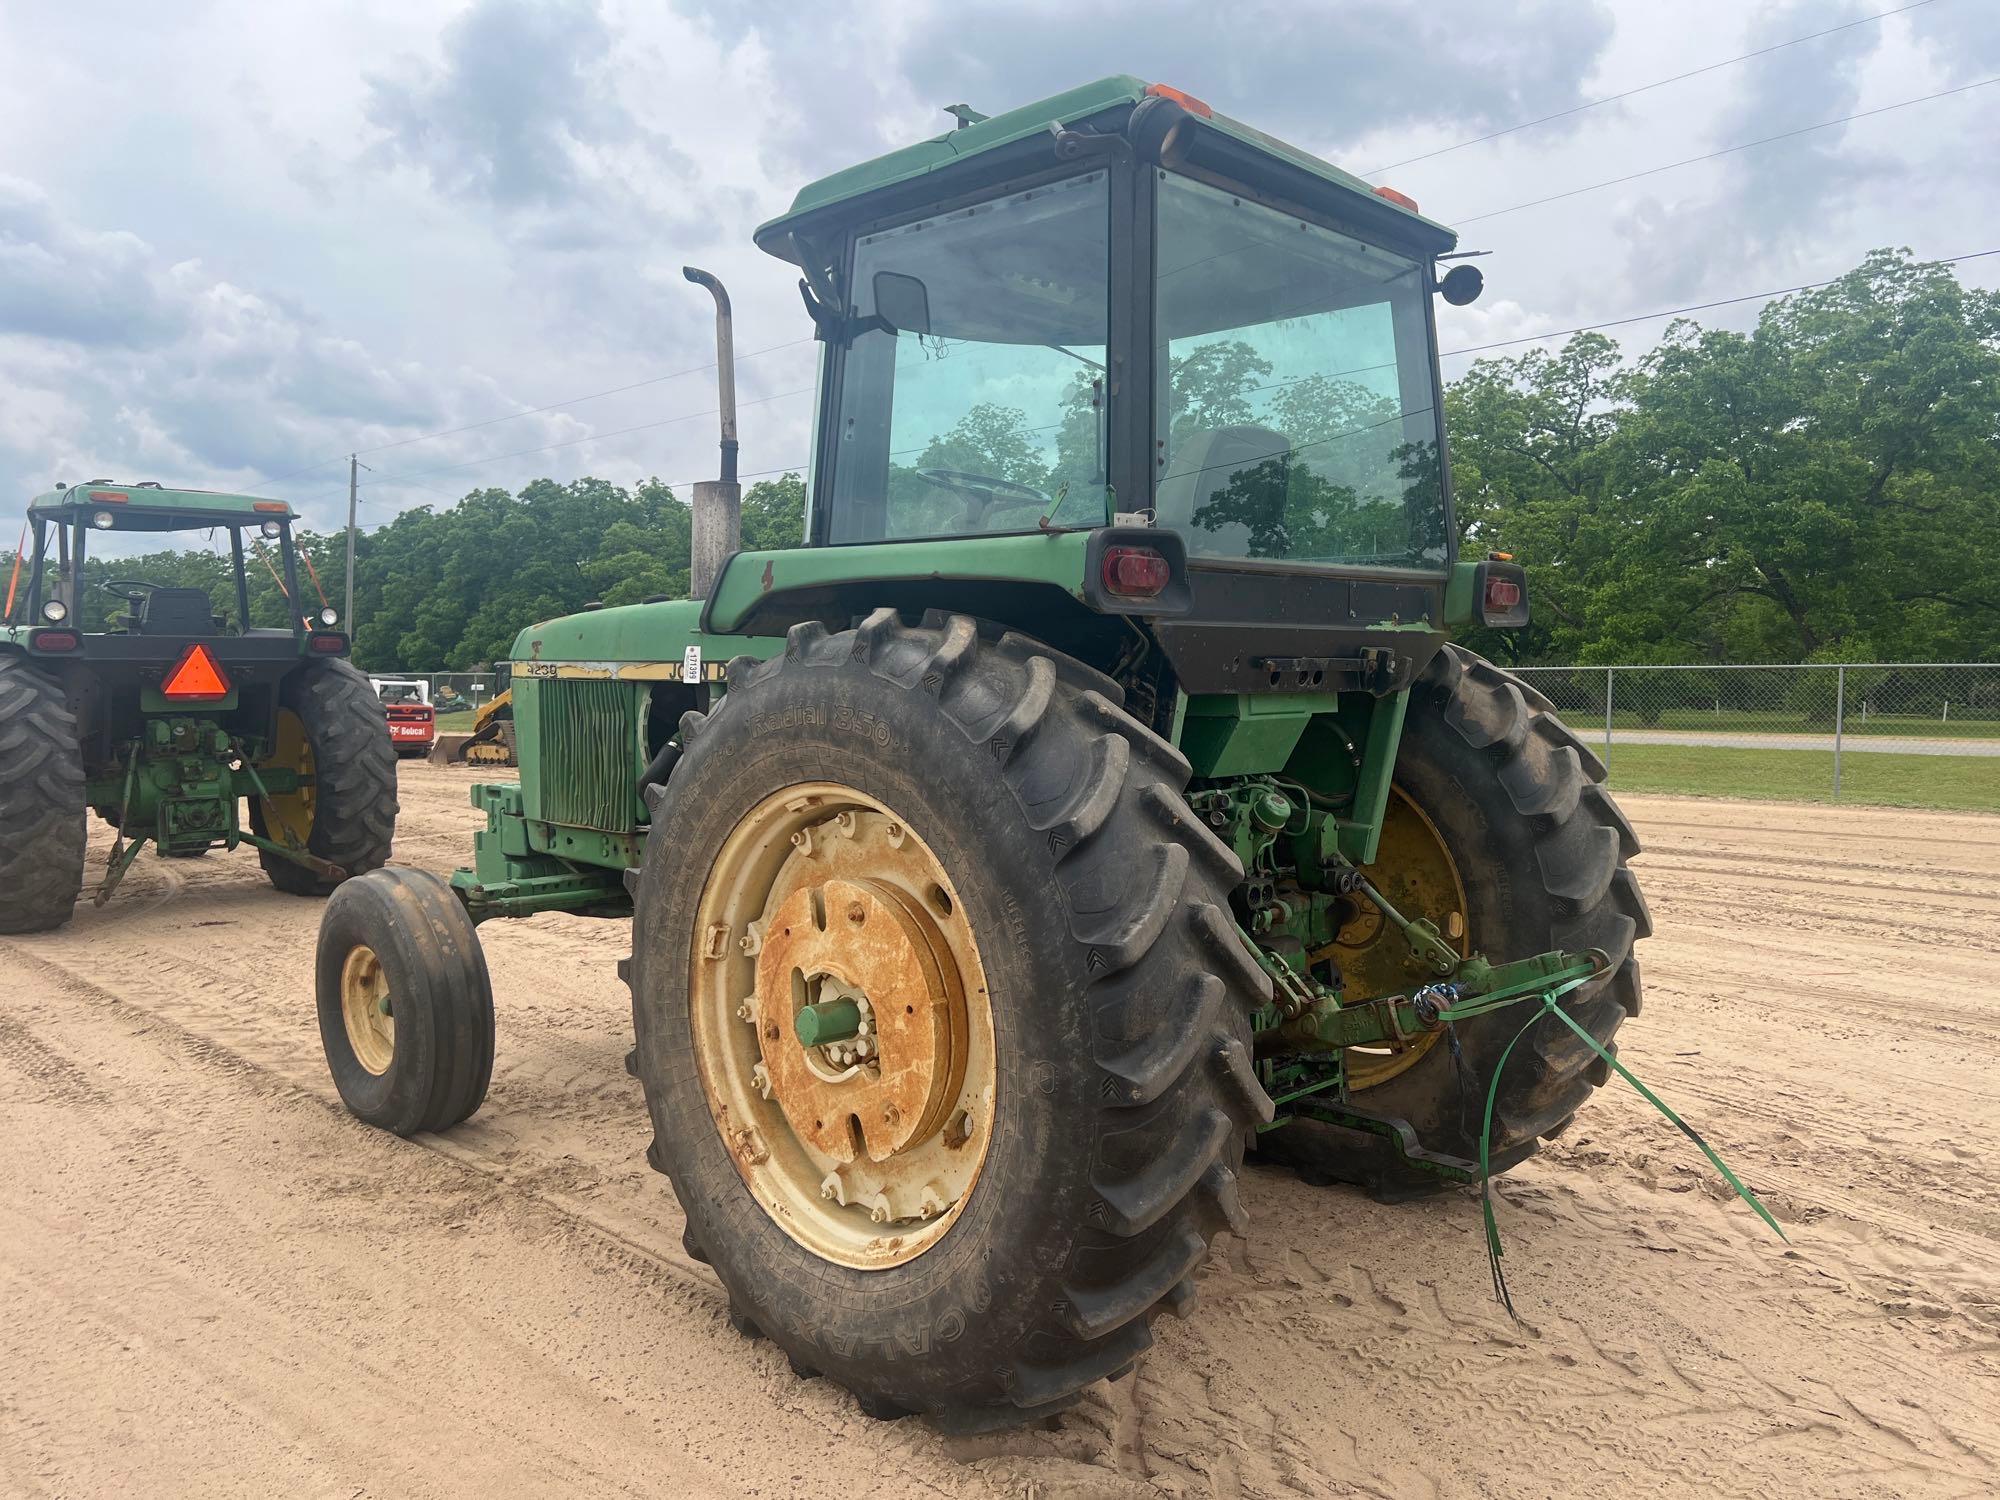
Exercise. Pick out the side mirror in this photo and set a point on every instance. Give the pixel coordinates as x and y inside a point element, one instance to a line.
<point>1462,284</point>
<point>903,302</point>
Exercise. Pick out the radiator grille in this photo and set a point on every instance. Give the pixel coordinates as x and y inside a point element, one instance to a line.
<point>586,769</point>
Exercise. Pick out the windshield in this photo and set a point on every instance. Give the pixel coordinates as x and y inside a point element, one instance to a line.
<point>1297,405</point>
<point>975,400</point>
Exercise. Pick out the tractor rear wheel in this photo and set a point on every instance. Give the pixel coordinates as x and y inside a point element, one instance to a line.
<point>331,731</point>
<point>42,828</point>
<point>1501,833</point>
<point>943,1024</point>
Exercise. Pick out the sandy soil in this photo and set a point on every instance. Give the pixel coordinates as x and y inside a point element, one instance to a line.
<point>214,1281</point>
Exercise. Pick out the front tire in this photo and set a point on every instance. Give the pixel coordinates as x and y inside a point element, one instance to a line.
<point>1540,850</point>
<point>330,726</point>
<point>1117,993</point>
<point>405,1004</point>
<point>42,827</point>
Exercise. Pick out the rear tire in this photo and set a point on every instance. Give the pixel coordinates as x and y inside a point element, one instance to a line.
<point>1541,850</point>
<point>42,825</point>
<point>400,939</point>
<point>354,778</point>
<point>1118,991</point>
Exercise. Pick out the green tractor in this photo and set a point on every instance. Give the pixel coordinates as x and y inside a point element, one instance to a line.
<point>1097,795</point>
<point>177,710</point>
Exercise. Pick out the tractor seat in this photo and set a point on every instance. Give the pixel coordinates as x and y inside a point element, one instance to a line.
<point>177,612</point>
<point>1204,466</point>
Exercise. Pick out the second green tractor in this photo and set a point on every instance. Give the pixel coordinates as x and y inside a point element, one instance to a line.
<point>1099,795</point>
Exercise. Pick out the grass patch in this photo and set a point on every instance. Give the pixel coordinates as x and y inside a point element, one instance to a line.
<point>1957,782</point>
<point>461,721</point>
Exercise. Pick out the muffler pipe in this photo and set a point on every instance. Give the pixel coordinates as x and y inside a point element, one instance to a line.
<point>718,503</point>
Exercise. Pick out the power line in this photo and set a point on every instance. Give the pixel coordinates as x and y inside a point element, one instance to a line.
<point>1577,109</point>
<point>1675,312</point>
<point>1728,150</point>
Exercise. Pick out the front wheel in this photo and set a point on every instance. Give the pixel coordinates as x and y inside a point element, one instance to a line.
<point>332,733</point>
<point>942,1022</point>
<point>405,1005</point>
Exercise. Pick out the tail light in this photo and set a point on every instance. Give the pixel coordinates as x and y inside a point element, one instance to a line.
<point>54,640</point>
<point>196,678</point>
<point>1501,594</point>
<point>1135,572</point>
<point>327,645</point>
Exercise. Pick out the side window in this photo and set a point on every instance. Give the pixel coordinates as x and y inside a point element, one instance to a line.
<point>975,401</point>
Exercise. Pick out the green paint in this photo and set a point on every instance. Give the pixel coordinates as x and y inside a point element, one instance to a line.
<point>846,191</point>
<point>157,509</point>
<point>827,1021</point>
<point>1241,734</point>
<point>1361,829</point>
<point>1053,559</point>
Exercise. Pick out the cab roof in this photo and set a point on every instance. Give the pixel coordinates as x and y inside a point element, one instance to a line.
<point>956,151</point>
<point>150,506</point>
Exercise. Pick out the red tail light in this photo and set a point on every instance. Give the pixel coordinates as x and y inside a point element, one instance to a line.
<point>1135,572</point>
<point>1502,594</point>
<point>328,645</point>
<point>54,640</point>
<point>196,677</point>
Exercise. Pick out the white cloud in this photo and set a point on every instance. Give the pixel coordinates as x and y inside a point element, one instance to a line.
<point>347,226</point>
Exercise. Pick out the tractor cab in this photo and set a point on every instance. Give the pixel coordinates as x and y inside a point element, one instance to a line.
<point>1117,304</point>
<point>1117,311</point>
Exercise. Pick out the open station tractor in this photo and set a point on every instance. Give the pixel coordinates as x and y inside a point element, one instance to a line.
<point>163,710</point>
<point>1098,793</point>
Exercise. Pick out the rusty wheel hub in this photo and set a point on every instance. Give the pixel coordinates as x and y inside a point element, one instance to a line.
<point>842,1025</point>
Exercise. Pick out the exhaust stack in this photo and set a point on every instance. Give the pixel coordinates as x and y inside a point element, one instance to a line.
<point>718,503</point>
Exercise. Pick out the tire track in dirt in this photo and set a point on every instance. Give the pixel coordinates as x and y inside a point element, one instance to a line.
<point>200,1213</point>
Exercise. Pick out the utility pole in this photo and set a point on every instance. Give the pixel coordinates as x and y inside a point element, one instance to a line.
<point>354,464</point>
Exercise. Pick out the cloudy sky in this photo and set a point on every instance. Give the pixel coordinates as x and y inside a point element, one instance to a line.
<point>238,240</point>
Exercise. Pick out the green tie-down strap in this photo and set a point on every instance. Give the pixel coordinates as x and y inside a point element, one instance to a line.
<point>1549,999</point>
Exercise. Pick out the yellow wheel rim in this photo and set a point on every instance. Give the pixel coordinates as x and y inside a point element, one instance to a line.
<point>365,1008</point>
<point>288,816</point>
<point>1415,872</point>
<point>863,1150</point>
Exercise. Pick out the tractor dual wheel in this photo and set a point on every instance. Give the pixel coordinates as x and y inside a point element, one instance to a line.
<point>331,731</point>
<point>42,828</point>
<point>405,1005</point>
<point>1501,833</point>
<point>943,1024</point>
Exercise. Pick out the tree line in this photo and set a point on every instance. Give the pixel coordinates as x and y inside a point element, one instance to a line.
<point>1823,487</point>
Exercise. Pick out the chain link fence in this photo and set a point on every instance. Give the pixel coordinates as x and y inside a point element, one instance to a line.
<point>1898,734</point>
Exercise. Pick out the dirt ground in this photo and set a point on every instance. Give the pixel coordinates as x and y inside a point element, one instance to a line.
<point>213,1281</point>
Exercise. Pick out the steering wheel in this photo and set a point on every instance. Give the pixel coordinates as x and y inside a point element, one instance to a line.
<point>129,589</point>
<point>982,491</point>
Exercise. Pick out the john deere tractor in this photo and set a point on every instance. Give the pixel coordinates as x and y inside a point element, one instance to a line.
<point>1096,795</point>
<point>176,709</point>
